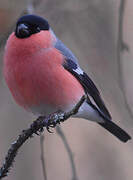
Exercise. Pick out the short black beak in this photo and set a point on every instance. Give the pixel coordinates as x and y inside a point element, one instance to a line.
<point>22,31</point>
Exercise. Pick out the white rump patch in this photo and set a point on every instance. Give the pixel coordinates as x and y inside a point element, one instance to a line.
<point>87,112</point>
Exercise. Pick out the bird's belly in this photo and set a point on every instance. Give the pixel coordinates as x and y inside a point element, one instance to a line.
<point>45,92</point>
<point>52,95</point>
<point>42,86</point>
<point>42,109</point>
<point>56,93</point>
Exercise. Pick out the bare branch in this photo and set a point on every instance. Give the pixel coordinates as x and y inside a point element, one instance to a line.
<point>122,46</point>
<point>70,154</point>
<point>42,156</point>
<point>35,128</point>
<point>30,7</point>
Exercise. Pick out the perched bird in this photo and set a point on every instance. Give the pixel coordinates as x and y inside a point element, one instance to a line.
<point>44,76</point>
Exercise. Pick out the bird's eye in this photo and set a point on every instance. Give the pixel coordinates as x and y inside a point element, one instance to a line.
<point>22,31</point>
<point>26,30</point>
<point>38,29</point>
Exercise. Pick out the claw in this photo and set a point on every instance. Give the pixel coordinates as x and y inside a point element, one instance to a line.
<point>41,130</point>
<point>52,120</point>
<point>38,134</point>
<point>48,129</point>
<point>53,124</point>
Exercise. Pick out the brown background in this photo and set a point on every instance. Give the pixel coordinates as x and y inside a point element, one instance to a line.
<point>90,30</point>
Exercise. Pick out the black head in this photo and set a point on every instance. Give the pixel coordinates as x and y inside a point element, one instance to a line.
<point>30,24</point>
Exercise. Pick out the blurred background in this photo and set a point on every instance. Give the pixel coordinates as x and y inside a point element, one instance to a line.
<point>99,32</point>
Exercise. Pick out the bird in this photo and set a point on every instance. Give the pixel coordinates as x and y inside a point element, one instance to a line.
<point>44,76</point>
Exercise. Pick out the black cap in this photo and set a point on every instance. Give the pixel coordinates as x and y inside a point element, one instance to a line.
<point>30,24</point>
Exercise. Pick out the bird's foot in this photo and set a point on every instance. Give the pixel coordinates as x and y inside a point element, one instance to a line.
<point>36,124</point>
<point>53,119</point>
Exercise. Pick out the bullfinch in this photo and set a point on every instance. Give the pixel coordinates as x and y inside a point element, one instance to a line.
<point>44,76</point>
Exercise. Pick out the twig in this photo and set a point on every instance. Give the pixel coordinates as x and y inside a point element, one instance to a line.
<point>42,156</point>
<point>35,128</point>
<point>121,47</point>
<point>30,7</point>
<point>121,44</point>
<point>70,154</point>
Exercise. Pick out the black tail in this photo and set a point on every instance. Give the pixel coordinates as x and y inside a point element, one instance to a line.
<point>116,131</point>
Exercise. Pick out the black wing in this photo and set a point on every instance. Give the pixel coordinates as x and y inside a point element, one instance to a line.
<point>71,64</point>
<point>88,85</point>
